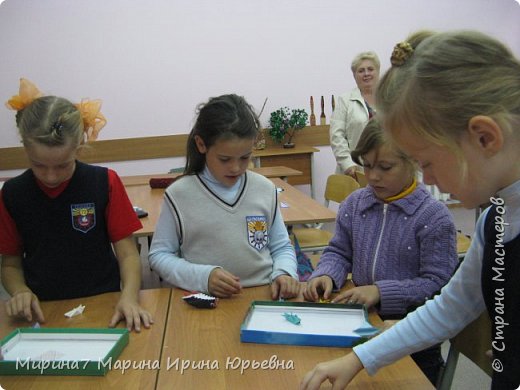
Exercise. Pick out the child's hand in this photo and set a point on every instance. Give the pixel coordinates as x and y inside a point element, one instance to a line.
<point>316,285</point>
<point>352,172</point>
<point>339,372</point>
<point>285,287</point>
<point>130,310</point>
<point>367,295</point>
<point>223,284</point>
<point>23,304</point>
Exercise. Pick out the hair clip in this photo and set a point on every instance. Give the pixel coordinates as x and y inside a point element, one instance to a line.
<point>402,51</point>
<point>57,127</point>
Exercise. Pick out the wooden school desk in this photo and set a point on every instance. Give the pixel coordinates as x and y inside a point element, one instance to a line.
<point>209,339</point>
<point>271,172</point>
<point>301,158</point>
<point>142,346</point>
<point>302,208</point>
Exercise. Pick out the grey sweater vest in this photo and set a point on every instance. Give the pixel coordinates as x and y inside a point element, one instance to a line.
<point>233,236</point>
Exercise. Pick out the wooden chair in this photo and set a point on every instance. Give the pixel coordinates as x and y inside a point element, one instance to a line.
<point>463,243</point>
<point>473,341</point>
<point>361,179</point>
<point>314,239</point>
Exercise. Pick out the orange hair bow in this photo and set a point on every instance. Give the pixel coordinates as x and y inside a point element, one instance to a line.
<point>27,94</point>
<point>93,119</point>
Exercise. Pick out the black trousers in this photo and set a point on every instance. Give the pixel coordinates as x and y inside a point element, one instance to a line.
<point>430,362</point>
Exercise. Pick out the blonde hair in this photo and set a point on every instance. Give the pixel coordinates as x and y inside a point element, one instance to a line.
<point>446,79</point>
<point>52,121</point>
<point>372,138</point>
<point>366,55</point>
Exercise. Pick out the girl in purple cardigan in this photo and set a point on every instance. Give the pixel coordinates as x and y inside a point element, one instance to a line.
<point>398,242</point>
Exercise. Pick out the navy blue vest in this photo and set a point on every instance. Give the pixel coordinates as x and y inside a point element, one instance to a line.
<point>500,278</point>
<point>67,250</point>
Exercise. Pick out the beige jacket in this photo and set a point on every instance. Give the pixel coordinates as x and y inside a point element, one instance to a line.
<point>346,124</point>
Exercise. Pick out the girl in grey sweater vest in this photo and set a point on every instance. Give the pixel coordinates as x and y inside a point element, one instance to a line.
<point>220,227</point>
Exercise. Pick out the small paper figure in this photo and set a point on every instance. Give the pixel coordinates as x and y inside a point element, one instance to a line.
<point>366,329</point>
<point>292,318</point>
<point>201,300</point>
<point>75,312</point>
<point>323,300</point>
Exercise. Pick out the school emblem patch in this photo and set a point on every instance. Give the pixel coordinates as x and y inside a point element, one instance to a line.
<point>83,216</point>
<point>257,232</point>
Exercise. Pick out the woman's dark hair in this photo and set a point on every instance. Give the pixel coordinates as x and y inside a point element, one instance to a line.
<point>221,118</point>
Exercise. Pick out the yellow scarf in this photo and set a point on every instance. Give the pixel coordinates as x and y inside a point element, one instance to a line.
<point>408,190</point>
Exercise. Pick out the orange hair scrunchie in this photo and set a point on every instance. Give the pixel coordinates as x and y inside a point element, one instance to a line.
<point>27,94</point>
<point>93,119</point>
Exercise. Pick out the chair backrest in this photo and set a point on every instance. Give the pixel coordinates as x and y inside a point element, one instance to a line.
<point>463,243</point>
<point>361,179</point>
<point>474,340</point>
<point>338,187</point>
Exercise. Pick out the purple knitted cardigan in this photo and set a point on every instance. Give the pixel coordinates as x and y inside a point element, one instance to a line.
<point>407,247</point>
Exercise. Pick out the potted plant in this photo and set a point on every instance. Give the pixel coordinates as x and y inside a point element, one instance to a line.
<point>285,123</point>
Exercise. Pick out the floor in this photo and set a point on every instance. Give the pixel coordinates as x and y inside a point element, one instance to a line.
<point>467,375</point>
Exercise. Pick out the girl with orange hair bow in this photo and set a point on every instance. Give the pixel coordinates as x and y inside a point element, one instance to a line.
<point>65,226</point>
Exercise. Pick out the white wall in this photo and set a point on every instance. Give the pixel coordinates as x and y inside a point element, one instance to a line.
<point>153,61</point>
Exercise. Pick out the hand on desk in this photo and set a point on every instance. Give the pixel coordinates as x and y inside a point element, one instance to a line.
<point>130,310</point>
<point>366,295</point>
<point>339,372</point>
<point>316,286</point>
<point>285,286</point>
<point>223,284</point>
<point>24,304</point>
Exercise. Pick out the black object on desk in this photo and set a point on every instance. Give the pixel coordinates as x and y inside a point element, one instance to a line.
<point>140,212</point>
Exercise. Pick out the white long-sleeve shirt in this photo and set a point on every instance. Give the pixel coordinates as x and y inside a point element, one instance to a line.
<point>460,301</point>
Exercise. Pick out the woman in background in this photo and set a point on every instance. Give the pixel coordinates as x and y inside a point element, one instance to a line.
<point>353,111</point>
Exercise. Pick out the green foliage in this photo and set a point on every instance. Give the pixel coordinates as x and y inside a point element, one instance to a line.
<point>286,122</point>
